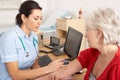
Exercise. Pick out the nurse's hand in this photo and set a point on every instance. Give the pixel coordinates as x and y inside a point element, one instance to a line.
<point>55,65</point>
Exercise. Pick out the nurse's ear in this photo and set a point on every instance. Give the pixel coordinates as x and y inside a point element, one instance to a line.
<point>99,33</point>
<point>23,17</point>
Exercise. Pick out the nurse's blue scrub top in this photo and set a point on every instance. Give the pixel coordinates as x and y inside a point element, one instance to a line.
<point>11,49</point>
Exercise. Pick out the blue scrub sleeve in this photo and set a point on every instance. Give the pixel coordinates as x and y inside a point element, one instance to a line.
<point>8,51</point>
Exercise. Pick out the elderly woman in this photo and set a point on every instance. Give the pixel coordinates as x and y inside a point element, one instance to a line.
<point>102,58</point>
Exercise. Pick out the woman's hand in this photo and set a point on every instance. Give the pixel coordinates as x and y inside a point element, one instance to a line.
<point>66,72</point>
<point>55,65</point>
<point>57,75</point>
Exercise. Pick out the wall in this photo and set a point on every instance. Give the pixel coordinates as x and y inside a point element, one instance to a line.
<point>87,5</point>
<point>7,17</point>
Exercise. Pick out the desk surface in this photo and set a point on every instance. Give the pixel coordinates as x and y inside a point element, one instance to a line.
<point>54,57</point>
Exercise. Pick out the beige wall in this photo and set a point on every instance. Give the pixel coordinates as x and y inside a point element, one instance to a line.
<point>49,6</point>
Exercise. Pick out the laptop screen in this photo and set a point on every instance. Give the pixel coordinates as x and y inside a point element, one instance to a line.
<point>73,43</point>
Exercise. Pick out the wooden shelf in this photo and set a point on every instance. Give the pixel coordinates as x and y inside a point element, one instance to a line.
<point>64,24</point>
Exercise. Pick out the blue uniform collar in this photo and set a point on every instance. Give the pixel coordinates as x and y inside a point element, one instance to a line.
<point>21,34</point>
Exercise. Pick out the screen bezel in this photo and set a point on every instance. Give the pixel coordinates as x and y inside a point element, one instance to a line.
<point>78,46</point>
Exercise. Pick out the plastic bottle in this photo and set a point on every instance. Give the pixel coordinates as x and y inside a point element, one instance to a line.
<point>80,13</point>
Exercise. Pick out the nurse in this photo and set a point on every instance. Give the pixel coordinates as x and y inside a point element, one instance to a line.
<point>19,47</point>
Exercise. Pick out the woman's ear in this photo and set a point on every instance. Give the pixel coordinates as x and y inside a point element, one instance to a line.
<point>100,33</point>
<point>23,17</point>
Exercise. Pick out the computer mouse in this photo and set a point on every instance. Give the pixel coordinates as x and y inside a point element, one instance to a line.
<point>66,61</point>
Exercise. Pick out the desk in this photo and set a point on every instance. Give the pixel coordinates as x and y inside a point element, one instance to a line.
<point>53,57</point>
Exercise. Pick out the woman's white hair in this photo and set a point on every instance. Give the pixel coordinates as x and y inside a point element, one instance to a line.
<point>108,21</point>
